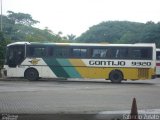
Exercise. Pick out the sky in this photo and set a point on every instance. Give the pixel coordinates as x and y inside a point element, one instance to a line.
<point>76,16</point>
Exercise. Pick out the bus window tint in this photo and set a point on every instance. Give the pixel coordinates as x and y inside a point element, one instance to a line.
<point>36,51</point>
<point>62,52</point>
<point>119,53</point>
<point>15,55</point>
<point>141,53</point>
<point>49,51</point>
<point>99,53</point>
<point>79,52</point>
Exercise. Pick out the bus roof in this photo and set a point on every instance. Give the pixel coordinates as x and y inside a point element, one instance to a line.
<point>84,44</point>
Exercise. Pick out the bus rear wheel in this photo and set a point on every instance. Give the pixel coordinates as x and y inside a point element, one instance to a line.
<point>116,76</point>
<point>31,74</point>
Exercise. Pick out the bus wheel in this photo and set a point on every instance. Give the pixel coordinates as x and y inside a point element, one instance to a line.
<point>116,76</point>
<point>31,74</point>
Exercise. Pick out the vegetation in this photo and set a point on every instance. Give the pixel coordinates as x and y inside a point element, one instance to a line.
<point>20,27</point>
<point>122,32</point>
<point>3,43</point>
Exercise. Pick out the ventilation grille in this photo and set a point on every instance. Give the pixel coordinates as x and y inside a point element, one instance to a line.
<point>143,73</point>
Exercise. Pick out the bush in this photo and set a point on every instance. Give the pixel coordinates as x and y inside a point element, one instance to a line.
<point>3,43</point>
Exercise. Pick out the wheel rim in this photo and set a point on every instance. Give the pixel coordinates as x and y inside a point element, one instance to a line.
<point>31,74</point>
<point>116,76</point>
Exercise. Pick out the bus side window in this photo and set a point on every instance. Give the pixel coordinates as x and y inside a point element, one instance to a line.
<point>39,52</point>
<point>99,53</point>
<point>145,53</point>
<point>123,53</point>
<point>119,53</point>
<point>136,54</point>
<point>79,52</point>
<point>50,51</point>
<point>36,51</point>
<point>62,52</point>
<point>141,53</point>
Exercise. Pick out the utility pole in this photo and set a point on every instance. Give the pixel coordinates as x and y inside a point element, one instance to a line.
<point>1,17</point>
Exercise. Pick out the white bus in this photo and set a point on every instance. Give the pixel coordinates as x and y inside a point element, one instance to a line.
<point>158,62</point>
<point>115,62</point>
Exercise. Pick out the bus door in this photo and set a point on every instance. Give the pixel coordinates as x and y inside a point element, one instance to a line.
<point>15,55</point>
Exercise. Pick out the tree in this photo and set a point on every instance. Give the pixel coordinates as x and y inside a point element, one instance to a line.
<point>150,33</point>
<point>123,32</point>
<point>18,27</point>
<point>21,18</point>
<point>110,31</point>
<point>71,37</point>
<point>3,44</point>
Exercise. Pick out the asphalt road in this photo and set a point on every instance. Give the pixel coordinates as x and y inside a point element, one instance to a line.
<point>76,96</point>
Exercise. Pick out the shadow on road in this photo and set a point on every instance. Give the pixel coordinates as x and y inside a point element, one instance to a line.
<point>83,81</point>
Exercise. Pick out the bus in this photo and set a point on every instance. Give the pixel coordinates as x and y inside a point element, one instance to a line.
<point>157,62</point>
<point>115,62</point>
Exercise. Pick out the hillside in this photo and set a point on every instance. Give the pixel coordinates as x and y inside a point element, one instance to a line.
<point>122,32</point>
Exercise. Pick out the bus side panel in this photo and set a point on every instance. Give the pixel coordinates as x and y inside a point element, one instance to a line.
<point>15,72</point>
<point>74,68</point>
<point>103,72</point>
<point>138,73</point>
<point>99,72</point>
<point>40,65</point>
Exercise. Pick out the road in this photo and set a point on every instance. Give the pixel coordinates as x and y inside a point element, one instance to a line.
<point>76,96</point>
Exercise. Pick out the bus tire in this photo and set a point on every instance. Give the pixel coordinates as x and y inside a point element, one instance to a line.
<point>116,76</point>
<point>31,74</point>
